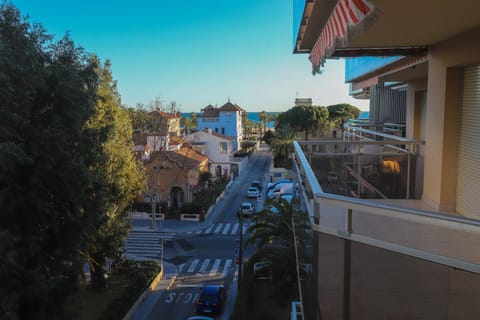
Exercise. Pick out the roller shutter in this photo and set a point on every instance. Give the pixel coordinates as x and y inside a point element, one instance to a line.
<point>468,174</point>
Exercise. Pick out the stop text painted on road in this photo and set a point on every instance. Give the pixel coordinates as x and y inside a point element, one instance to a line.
<point>182,297</point>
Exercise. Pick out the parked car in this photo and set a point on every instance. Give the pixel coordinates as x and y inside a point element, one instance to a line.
<point>257,184</point>
<point>272,185</point>
<point>280,189</point>
<point>332,177</point>
<point>211,299</point>
<point>253,192</point>
<point>287,196</point>
<point>247,209</point>
<point>262,270</point>
<point>272,209</point>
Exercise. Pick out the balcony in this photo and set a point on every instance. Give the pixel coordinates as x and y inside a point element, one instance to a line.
<point>380,249</point>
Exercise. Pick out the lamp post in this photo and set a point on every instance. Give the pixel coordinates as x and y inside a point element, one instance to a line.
<point>240,248</point>
<point>154,196</point>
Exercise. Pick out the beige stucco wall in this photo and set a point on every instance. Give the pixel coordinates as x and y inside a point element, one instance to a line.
<point>446,61</point>
<point>172,175</point>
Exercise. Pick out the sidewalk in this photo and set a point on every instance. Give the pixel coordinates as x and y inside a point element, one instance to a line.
<point>145,307</point>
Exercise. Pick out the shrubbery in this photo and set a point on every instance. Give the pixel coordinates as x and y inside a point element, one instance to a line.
<point>141,274</point>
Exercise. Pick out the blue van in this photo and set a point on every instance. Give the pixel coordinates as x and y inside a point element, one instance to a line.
<point>211,299</point>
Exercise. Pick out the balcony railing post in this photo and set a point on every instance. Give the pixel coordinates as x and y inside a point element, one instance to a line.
<point>349,226</point>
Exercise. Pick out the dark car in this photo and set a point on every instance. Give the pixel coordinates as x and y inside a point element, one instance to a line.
<point>211,299</point>
<point>257,184</point>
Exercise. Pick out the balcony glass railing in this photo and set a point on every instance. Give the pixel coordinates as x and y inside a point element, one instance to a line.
<point>397,226</point>
<point>401,227</point>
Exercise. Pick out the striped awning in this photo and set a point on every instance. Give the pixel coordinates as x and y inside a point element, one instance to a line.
<point>347,18</point>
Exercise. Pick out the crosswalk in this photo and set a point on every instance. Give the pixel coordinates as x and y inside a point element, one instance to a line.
<point>223,229</point>
<point>145,244</point>
<point>208,267</point>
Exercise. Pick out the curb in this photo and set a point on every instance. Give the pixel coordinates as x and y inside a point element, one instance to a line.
<point>143,296</point>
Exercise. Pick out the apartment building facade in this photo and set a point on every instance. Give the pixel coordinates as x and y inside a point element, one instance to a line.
<point>398,237</point>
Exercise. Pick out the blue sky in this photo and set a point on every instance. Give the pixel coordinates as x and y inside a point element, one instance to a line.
<point>196,52</point>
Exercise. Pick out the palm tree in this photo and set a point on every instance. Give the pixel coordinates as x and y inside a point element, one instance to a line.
<point>282,145</point>
<point>273,235</point>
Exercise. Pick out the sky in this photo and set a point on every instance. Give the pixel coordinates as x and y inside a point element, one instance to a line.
<point>196,52</point>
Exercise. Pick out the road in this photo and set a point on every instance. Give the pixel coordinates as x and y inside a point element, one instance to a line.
<point>208,255</point>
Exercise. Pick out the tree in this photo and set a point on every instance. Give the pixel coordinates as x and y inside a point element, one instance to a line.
<point>273,235</point>
<point>115,176</point>
<point>190,122</point>
<point>46,94</point>
<point>139,118</point>
<point>306,119</point>
<point>263,118</point>
<point>173,108</point>
<point>156,104</point>
<point>339,114</point>
<point>282,145</point>
<point>248,126</point>
<point>194,118</point>
<point>268,136</point>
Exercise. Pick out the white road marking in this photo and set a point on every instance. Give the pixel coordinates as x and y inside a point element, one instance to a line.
<point>227,227</point>
<point>193,265</point>
<point>227,265</point>
<point>204,266</point>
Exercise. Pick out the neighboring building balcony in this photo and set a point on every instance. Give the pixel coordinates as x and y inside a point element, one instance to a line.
<point>380,252</point>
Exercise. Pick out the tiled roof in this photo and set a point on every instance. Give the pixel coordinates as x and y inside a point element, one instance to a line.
<point>174,140</point>
<point>186,157</point>
<point>230,107</point>
<point>211,111</point>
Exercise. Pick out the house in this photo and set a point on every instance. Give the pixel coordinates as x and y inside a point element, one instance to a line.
<point>165,124</point>
<point>226,120</point>
<point>219,150</point>
<point>401,241</point>
<point>164,127</point>
<point>173,175</point>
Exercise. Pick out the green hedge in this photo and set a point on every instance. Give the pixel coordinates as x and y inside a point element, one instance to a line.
<point>141,274</point>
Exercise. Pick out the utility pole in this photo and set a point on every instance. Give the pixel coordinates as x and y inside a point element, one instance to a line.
<point>152,191</point>
<point>240,248</point>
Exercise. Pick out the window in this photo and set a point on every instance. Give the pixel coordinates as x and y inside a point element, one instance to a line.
<point>223,130</point>
<point>223,147</point>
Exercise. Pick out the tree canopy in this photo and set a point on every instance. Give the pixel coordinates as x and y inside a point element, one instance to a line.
<point>115,175</point>
<point>282,145</point>
<point>52,164</point>
<point>306,119</point>
<point>341,113</point>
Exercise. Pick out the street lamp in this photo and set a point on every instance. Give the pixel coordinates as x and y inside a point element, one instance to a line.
<point>154,196</point>
<point>240,248</point>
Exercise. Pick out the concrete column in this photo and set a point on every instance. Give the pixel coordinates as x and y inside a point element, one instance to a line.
<point>443,98</point>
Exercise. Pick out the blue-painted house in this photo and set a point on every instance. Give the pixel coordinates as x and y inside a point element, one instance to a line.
<point>226,120</point>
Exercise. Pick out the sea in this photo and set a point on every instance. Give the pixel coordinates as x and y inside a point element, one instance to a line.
<point>254,116</point>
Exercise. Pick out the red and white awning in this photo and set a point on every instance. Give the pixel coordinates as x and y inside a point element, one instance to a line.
<point>348,16</point>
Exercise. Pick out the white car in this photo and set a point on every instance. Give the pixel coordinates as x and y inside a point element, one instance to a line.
<point>252,192</point>
<point>280,189</point>
<point>247,209</point>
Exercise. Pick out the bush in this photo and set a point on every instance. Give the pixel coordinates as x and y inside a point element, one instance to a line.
<point>246,145</point>
<point>241,153</point>
<point>191,208</point>
<point>141,274</point>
